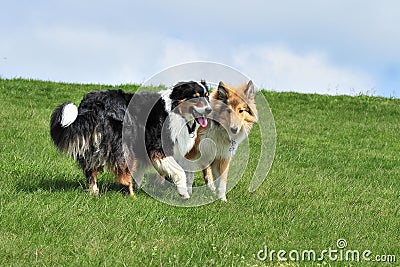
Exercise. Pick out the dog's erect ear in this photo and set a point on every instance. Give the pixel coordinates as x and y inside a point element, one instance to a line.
<point>203,82</point>
<point>223,93</point>
<point>249,91</point>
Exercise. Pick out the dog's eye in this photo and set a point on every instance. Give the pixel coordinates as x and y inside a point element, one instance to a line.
<point>206,94</point>
<point>246,109</point>
<point>196,95</point>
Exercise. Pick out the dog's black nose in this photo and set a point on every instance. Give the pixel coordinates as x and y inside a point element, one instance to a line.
<point>234,129</point>
<point>208,110</point>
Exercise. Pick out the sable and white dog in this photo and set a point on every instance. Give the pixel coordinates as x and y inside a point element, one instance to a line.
<point>233,115</point>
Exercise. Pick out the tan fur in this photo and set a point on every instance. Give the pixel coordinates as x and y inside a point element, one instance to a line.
<point>93,186</point>
<point>186,105</point>
<point>124,178</point>
<point>232,107</point>
<point>195,150</point>
<point>222,168</point>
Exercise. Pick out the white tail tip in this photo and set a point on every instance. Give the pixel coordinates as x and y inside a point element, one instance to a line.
<point>69,114</point>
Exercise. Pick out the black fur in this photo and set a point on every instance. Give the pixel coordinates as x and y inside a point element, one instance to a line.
<point>99,112</point>
<point>94,139</point>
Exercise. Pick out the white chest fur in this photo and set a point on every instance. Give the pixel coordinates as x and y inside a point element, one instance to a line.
<point>224,144</point>
<point>180,135</point>
<point>183,141</point>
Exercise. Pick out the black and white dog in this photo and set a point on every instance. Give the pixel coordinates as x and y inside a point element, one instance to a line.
<point>128,132</point>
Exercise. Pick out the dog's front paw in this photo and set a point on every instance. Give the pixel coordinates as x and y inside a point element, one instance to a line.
<point>94,190</point>
<point>211,186</point>
<point>184,196</point>
<point>222,196</point>
<point>190,190</point>
<point>183,192</point>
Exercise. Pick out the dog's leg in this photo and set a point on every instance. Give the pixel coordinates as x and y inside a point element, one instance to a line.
<point>209,178</point>
<point>171,167</point>
<point>125,180</point>
<point>183,162</point>
<point>220,168</point>
<point>189,181</point>
<point>91,181</point>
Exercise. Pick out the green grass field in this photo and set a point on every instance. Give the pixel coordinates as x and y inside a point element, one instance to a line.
<point>336,174</point>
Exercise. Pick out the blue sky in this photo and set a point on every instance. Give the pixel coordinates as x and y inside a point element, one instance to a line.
<point>310,46</point>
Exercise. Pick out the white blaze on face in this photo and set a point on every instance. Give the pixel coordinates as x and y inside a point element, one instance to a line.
<point>203,120</point>
<point>69,114</point>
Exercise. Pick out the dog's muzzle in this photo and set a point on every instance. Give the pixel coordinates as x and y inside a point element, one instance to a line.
<point>200,113</point>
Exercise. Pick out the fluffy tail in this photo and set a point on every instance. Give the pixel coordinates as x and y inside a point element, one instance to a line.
<point>62,128</point>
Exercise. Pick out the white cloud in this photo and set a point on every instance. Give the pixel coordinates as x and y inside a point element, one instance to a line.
<point>94,56</point>
<point>81,55</point>
<point>356,43</point>
<point>279,68</point>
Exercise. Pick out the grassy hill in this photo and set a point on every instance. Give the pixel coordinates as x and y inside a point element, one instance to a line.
<point>336,175</point>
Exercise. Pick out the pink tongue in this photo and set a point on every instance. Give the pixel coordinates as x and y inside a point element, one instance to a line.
<point>203,121</point>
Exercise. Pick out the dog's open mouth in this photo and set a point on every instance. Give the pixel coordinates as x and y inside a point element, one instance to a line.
<point>202,121</point>
<point>200,118</point>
